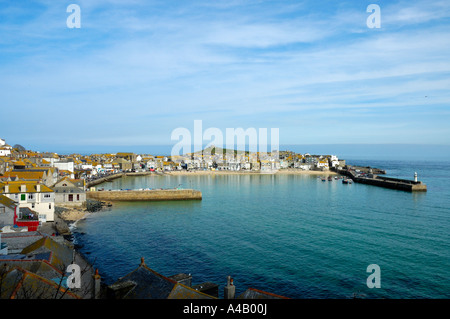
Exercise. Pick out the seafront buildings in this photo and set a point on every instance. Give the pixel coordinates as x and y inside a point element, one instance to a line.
<point>49,168</point>
<point>40,181</point>
<point>34,184</point>
<point>37,182</point>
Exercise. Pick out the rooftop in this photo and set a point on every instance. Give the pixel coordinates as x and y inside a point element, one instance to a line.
<point>31,187</point>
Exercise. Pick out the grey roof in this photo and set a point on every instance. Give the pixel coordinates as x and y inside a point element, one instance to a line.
<point>68,190</point>
<point>252,293</point>
<point>145,283</point>
<point>19,283</point>
<point>17,241</point>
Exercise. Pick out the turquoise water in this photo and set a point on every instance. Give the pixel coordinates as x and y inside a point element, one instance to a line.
<point>292,235</point>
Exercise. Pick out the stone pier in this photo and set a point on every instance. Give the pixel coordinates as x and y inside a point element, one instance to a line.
<point>145,195</point>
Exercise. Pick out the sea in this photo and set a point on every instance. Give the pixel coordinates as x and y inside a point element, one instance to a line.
<point>291,235</point>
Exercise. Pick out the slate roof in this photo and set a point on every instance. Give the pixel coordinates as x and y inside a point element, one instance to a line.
<point>17,241</point>
<point>49,259</point>
<point>61,255</point>
<point>68,190</point>
<point>252,293</point>
<point>38,265</point>
<point>6,201</point>
<point>145,283</point>
<point>19,283</point>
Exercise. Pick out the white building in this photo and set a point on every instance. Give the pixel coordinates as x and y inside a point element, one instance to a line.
<point>334,161</point>
<point>64,166</point>
<point>33,195</point>
<point>5,149</point>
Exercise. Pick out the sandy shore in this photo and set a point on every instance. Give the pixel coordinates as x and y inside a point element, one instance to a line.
<point>62,221</point>
<point>73,214</point>
<point>279,172</point>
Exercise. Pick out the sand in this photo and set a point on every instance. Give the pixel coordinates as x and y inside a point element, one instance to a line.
<point>279,172</point>
<point>72,215</point>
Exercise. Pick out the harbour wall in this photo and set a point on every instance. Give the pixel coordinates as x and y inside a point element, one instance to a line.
<point>146,195</point>
<point>386,182</point>
<point>118,175</point>
<point>104,179</point>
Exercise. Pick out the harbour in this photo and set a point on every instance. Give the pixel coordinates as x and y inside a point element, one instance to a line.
<point>310,240</point>
<point>370,178</point>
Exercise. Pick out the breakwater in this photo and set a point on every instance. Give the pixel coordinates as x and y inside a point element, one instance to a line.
<point>145,195</point>
<point>101,180</point>
<point>383,181</point>
<point>109,178</point>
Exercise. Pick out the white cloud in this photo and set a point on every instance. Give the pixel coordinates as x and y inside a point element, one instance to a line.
<point>166,66</point>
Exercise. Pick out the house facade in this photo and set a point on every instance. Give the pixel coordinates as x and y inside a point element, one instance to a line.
<point>8,210</point>
<point>5,149</point>
<point>33,195</point>
<point>70,192</point>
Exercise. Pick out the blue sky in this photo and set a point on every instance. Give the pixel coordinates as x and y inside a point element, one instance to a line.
<point>136,70</point>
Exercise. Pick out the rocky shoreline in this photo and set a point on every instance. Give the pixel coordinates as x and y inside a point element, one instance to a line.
<point>67,216</point>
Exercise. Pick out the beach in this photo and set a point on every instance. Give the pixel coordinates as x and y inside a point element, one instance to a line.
<point>65,217</point>
<point>226,172</point>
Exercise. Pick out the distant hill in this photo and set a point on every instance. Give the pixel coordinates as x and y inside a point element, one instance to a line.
<point>19,147</point>
<point>213,150</point>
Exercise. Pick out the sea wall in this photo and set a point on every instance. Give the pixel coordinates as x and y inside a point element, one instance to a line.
<point>146,195</point>
<point>387,182</point>
<point>103,179</point>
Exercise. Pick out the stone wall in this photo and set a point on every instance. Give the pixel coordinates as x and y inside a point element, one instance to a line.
<point>146,195</point>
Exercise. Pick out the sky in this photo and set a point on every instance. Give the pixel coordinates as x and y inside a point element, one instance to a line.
<point>136,70</point>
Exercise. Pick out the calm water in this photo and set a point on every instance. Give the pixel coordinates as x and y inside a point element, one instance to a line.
<point>291,235</point>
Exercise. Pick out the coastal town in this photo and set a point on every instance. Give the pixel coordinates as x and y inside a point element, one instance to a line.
<point>42,193</point>
<point>39,182</point>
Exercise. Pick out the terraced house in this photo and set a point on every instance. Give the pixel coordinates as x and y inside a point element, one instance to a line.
<point>70,192</point>
<point>33,195</point>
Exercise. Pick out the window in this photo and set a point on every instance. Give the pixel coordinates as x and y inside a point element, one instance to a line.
<point>30,196</point>
<point>47,195</point>
<point>70,198</point>
<point>32,205</point>
<point>78,197</point>
<point>2,210</point>
<point>49,206</point>
<point>22,196</point>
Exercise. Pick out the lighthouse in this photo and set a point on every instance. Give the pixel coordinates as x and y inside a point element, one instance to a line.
<point>415,177</point>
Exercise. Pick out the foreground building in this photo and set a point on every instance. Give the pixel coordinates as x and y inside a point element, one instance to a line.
<point>70,192</point>
<point>33,195</point>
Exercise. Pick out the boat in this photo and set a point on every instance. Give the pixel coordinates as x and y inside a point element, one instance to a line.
<point>345,181</point>
<point>330,178</point>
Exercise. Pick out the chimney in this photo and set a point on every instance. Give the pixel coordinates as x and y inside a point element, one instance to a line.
<point>97,287</point>
<point>229,290</point>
